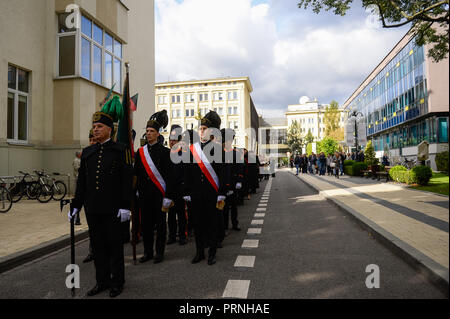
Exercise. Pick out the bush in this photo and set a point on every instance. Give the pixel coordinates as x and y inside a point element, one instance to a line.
<point>357,168</point>
<point>404,177</point>
<point>394,172</point>
<point>421,175</point>
<point>348,170</point>
<point>442,162</point>
<point>349,162</point>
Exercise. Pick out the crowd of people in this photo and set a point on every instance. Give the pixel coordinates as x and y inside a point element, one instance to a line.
<point>322,164</point>
<point>187,188</point>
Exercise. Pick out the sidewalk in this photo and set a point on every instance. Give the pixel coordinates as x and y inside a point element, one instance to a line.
<point>412,223</point>
<point>31,229</point>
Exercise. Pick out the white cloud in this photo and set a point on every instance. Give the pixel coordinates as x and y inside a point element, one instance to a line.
<point>198,39</point>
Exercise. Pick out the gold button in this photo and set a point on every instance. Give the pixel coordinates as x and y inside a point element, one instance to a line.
<point>98,172</point>
<point>96,177</point>
<point>97,188</point>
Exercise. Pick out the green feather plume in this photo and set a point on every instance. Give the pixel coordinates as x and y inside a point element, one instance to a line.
<point>113,108</point>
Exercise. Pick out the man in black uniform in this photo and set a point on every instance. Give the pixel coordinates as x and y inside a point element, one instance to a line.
<point>205,186</point>
<point>235,169</point>
<point>153,168</point>
<point>104,189</point>
<point>177,214</point>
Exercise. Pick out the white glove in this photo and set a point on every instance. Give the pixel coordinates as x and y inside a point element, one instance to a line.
<point>166,202</point>
<point>137,194</point>
<point>124,215</point>
<point>73,214</point>
<point>230,193</point>
<point>238,185</point>
<point>220,198</point>
<point>187,198</point>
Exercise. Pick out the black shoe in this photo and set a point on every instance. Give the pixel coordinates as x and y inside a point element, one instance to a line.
<point>198,257</point>
<point>211,258</point>
<point>158,259</point>
<point>96,290</point>
<point>182,242</point>
<point>88,258</point>
<point>114,292</point>
<point>236,228</point>
<point>145,258</point>
<point>171,241</point>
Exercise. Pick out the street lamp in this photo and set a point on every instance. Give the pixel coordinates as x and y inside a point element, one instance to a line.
<point>355,114</point>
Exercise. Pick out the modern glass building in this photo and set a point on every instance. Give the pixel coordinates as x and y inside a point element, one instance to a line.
<point>405,101</point>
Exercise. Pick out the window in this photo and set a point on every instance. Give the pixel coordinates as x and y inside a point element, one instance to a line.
<point>203,97</point>
<point>176,98</point>
<point>218,96</point>
<point>232,95</point>
<point>162,99</point>
<point>100,54</point>
<point>189,98</point>
<point>192,112</point>
<point>17,112</point>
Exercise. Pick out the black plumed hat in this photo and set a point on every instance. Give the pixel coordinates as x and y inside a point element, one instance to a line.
<point>158,120</point>
<point>212,119</point>
<point>175,132</point>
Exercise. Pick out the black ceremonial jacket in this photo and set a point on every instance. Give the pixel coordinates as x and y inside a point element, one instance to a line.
<point>197,185</point>
<point>147,189</point>
<point>234,167</point>
<point>104,182</point>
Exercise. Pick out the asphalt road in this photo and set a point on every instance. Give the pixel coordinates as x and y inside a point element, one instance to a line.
<point>307,249</point>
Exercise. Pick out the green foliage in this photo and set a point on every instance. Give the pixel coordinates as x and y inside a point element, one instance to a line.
<point>421,174</point>
<point>331,118</point>
<point>309,138</point>
<point>358,167</point>
<point>328,145</point>
<point>294,138</point>
<point>349,162</point>
<point>309,149</point>
<point>400,174</point>
<point>424,16</point>
<point>369,154</point>
<point>442,162</point>
<point>348,170</point>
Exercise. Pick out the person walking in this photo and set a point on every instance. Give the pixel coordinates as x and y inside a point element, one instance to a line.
<point>297,162</point>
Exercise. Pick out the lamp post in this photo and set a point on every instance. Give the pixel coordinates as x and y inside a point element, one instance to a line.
<point>355,114</point>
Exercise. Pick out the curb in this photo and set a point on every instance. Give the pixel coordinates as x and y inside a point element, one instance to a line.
<point>436,273</point>
<point>11,261</point>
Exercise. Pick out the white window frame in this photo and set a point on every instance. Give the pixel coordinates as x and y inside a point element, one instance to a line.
<point>78,36</point>
<point>16,93</point>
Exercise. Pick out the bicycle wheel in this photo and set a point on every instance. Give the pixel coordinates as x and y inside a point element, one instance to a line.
<point>45,193</point>
<point>16,193</point>
<point>59,190</point>
<point>32,190</point>
<point>5,200</point>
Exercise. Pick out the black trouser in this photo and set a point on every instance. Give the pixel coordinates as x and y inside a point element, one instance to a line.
<point>105,233</point>
<point>177,215</point>
<point>153,218</point>
<point>206,223</point>
<point>230,203</point>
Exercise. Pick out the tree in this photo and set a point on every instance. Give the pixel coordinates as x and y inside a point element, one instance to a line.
<point>331,118</point>
<point>309,138</point>
<point>294,137</point>
<point>328,145</point>
<point>369,154</point>
<point>425,18</point>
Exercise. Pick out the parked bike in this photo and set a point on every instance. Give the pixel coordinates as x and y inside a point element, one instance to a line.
<point>24,187</point>
<point>59,188</point>
<point>408,164</point>
<point>45,192</point>
<point>5,197</point>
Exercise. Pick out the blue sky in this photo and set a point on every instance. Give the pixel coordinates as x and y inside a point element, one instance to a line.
<point>287,52</point>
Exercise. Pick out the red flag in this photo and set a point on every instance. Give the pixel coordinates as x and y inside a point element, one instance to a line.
<point>133,102</point>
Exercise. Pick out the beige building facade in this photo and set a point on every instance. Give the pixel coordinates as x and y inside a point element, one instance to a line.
<point>60,61</point>
<point>186,101</point>
<point>309,115</point>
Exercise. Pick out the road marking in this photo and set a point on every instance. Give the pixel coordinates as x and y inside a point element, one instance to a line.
<point>245,261</point>
<point>261,209</point>
<point>263,201</point>
<point>236,289</point>
<point>262,205</point>
<point>260,215</point>
<point>254,231</point>
<point>250,243</point>
<point>257,222</point>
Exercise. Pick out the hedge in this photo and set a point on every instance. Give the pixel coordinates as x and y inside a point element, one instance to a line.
<point>421,175</point>
<point>349,162</point>
<point>442,162</point>
<point>355,168</point>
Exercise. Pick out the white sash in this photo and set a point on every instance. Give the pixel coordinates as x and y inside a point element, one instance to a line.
<point>154,170</point>
<point>207,164</point>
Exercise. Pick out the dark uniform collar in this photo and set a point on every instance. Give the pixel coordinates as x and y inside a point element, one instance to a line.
<point>205,143</point>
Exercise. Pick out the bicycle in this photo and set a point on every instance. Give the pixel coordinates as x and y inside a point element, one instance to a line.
<point>5,197</point>
<point>59,188</point>
<point>45,193</point>
<point>17,190</point>
<point>408,164</point>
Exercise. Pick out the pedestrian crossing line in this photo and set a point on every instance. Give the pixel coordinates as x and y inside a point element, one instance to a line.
<point>260,215</point>
<point>262,204</point>
<point>245,261</point>
<point>254,231</point>
<point>257,221</point>
<point>250,243</point>
<point>236,289</point>
<point>263,201</point>
<point>262,209</point>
